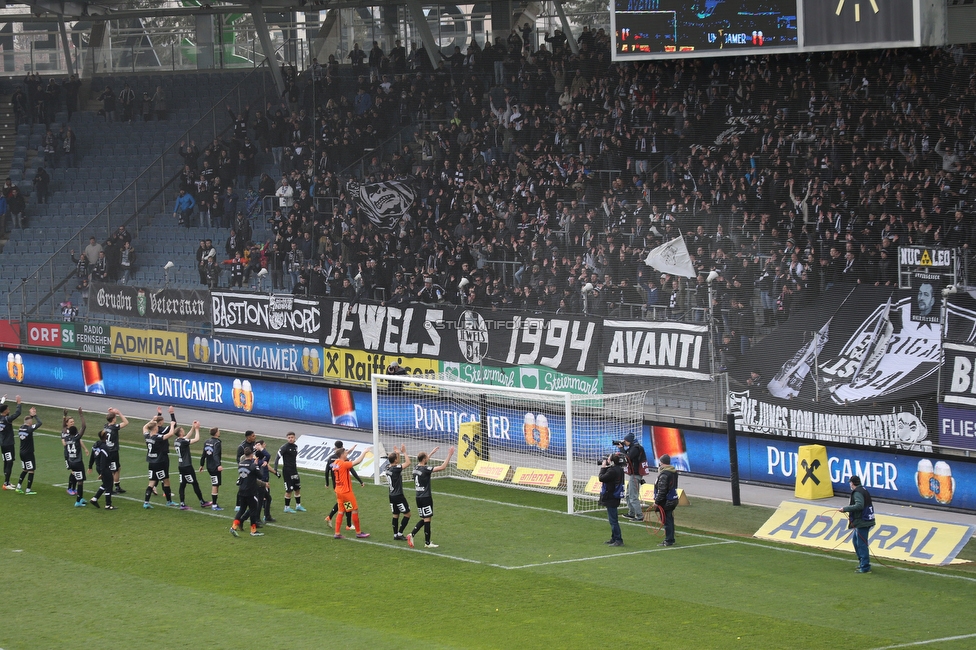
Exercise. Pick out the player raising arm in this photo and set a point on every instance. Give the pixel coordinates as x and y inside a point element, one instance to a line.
<point>68,428</point>
<point>184,463</point>
<point>100,459</point>
<point>399,461</point>
<point>157,455</point>
<point>425,498</point>
<point>26,434</point>
<point>114,421</point>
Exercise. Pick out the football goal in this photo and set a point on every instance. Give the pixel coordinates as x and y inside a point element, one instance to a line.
<point>524,439</point>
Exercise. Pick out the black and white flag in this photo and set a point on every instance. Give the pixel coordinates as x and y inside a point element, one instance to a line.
<point>383,203</point>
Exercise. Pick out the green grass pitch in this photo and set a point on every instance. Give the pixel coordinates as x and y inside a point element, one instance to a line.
<point>511,571</point>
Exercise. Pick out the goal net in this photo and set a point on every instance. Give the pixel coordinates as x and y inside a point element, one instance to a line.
<point>524,439</point>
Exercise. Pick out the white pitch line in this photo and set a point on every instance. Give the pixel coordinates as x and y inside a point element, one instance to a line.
<point>604,557</point>
<point>927,642</point>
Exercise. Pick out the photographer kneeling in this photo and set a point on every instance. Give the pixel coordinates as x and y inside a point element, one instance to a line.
<point>612,478</point>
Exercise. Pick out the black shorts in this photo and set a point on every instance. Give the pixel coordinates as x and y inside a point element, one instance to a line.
<point>27,462</point>
<point>425,506</point>
<point>77,470</point>
<point>293,482</point>
<point>214,476</point>
<point>158,472</point>
<point>8,454</point>
<point>114,464</point>
<point>399,505</point>
<point>187,475</point>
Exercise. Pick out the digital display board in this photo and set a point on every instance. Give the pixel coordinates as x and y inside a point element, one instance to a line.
<point>667,29</point>
<point>649,27</point>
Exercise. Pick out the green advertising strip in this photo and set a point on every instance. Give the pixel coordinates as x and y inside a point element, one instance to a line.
<point>530,377</point>
<point>96,339</point>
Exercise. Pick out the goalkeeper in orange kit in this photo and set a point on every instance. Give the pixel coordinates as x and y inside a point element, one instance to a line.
<point>341,469</point>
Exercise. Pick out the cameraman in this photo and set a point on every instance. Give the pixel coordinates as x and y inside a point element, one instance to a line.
<point>637,470</point>
<point>612,478</point>
<point>666,496</point>
<point>396,370</point>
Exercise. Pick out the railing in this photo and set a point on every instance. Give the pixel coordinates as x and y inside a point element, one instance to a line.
<point>134,207</point>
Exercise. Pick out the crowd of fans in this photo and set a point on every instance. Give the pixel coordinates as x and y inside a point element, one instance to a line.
<point>543,178</point>
<point>552,172</point>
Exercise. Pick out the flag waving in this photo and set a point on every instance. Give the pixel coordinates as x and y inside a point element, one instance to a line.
<point>384,203</point>
<point>673,258</point>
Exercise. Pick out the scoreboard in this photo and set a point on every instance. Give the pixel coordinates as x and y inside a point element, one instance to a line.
<point>649,29</point>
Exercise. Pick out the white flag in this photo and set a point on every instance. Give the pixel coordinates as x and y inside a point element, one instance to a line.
<point>673,258</point>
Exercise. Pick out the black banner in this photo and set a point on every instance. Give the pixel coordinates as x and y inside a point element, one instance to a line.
<point>854,346</point>
<point>957,384</point>
<point>663,349</point>
<point>160,304</point>
<point>278,317</point>
<point>909,425</point>
<point>453,334</point>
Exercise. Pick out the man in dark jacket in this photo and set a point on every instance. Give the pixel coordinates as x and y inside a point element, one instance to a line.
<point>666,496</point>
<point>612,478</point>
<point>861,515</point>
<point>636,469</point>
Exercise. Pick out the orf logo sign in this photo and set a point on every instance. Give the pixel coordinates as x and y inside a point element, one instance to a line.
<point>472,336</point>
<point>44,334</point>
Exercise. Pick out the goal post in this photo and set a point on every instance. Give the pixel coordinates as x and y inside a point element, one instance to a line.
<point>545,441</point>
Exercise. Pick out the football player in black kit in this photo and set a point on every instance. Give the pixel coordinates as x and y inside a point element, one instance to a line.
<point>248,484</point>
<point>68,428</point>
<point>425,498</point>
<point>184,463</point>
<point>7,440</point>
<point>328,477</point>
<point>262,458</point>
<point>157,455</point>
<point>26,434</point>
<point>113,422</point>
<point>100,459</point>
<point>211,459</point>
<point>74,449</point>
<point>288,456</point>
<point>399,461</point>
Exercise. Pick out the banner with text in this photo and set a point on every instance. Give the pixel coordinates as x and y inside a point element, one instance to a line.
<point>149,345</point>
<point>655,349</point>
<point>270,356</point>
<point>280,317</point>
<point>358,366</point>
<point>903,425</point>
<point>449,333</point>
<point>95,339</point>
<point>313,451</point>
<point>138,302</point>
<point>893,537</point>
<point>907,476</point>
<point>530,377</point>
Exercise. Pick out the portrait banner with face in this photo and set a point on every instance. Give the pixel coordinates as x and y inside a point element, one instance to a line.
<point>852,347</point>
<point>927,305</point>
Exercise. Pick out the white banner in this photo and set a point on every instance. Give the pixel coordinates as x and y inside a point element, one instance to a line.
<point>313,451</point>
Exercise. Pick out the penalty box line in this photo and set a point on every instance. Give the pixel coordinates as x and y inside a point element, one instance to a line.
<point>606,557</point>
<point>779,549</point>
<point>913,644</point>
